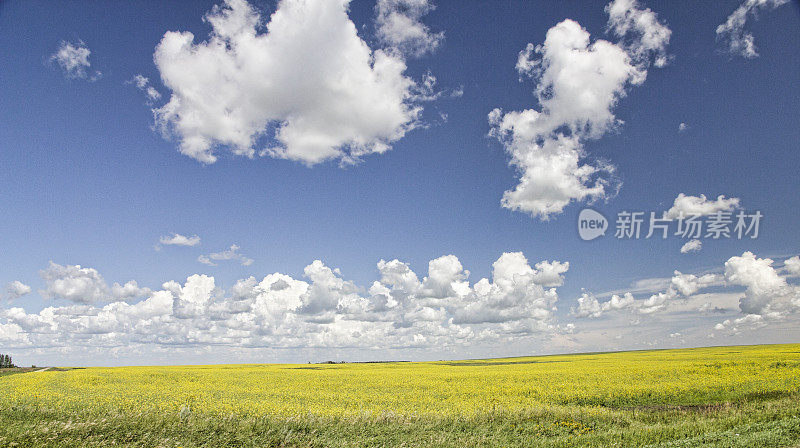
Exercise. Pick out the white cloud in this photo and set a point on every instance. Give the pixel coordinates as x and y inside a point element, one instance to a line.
<point>143,84</point>
<point>700,205</point>
<point>72,282</point>
<point>749,321</point>
<point>231,254</point>
<point>85,285</point>
<point>589,306</point>
<point>579,82</point>
<point>682,127</point>
<point>619,302</point>
<point>641,33</point>
<point>550,274</point>
<point>74,60</point>
<point>792,265</point>
<point>768,299</point>
<point>402,312</point>
<point>323,310</point>
<point>398,26</point>
<point>179,240</point>
<point>306,79</point>
<point>193,298</point>
<point>691,246</point>
<point>741,42</point>
<point>766,291</point>
<point>130,290</point>
<point>679,285</point>
<point>514,294</point>
<point>17,289</point>
<point>689,284</point>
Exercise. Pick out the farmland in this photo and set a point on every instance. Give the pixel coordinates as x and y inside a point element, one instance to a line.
<point>744,396</point>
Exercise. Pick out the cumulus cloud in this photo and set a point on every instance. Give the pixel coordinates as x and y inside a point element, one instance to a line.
<point>691,246</point>
<point>514,294</point>
<point>589,306</point>
<point>792,266</point>
<point>749,321</point>
<point>399,309</point>
<point>179,240</point>
<point>768,297</point>
<point>17,289</point>
<point>682,127</point>
<point>398,25</point>
<point>741,42</point>
<point>306,81</point>
<point>767,292</point>
<point>641,34</point>
<point>550,273</point>
<point>689,284</point>
<point>73,59</point>
<point>687,205</point>
<point>230,254</point>
<point>74,283</point>
<point>578,84</point>
<point>680,285</point>
<point>130,290</point>
<point>85,285</point>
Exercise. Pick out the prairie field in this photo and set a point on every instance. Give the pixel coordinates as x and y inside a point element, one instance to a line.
<point>746,396</point>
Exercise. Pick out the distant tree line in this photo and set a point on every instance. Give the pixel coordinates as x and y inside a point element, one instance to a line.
<point>5,361</point>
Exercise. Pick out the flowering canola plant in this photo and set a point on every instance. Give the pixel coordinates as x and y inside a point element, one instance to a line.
<point>419,389</point>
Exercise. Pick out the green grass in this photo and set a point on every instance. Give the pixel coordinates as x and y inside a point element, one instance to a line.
<point>772,423</point>
<point>744,397</point>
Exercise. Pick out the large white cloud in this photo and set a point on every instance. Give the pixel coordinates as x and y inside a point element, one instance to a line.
<point>578,84</point>
<point>741,42</point>
<point>306,80</point>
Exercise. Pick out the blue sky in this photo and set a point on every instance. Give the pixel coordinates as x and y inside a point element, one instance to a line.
<point>87,179</point>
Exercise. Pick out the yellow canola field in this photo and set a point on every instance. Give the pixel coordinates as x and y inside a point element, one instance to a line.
<point>445,389</point>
